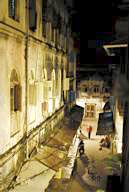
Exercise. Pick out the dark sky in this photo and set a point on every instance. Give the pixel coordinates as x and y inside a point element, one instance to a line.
<point>97,26</point>
<point>76,17</point>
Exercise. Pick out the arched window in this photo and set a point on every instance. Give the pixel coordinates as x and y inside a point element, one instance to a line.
<point>15,92</point>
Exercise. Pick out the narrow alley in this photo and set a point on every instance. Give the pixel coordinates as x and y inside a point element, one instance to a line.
<point>43,171</point>
<point>64,119</point>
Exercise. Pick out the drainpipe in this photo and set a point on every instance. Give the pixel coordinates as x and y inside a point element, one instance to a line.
<point>26,76</point>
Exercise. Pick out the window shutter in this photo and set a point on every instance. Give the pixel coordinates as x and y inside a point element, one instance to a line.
<point>44,8</point>
<point>44,28</point>
<point>32,15</point>
<point>32,94</point>
<point>44,16</point>
<point>16,98</point>
<point>45,107</point>
<point>11,99</point>
<point>12,8</point>
<point>19,98</point>
<point>42,108</point>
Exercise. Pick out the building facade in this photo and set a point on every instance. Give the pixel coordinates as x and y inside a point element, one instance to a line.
<point>92,95</point>
<point>121,109</point>
<point>121,112</point>
<point>35,40</point>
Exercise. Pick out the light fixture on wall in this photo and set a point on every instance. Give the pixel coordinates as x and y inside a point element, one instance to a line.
<point>110,46</point>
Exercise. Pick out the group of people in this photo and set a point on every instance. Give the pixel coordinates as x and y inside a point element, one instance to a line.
<point>81,144</point>
<point>105,142</point>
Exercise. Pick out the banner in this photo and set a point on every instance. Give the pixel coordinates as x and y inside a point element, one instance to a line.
<point>105,123</point>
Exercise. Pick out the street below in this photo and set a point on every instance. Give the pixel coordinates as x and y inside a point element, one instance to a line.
<point>44,172</point>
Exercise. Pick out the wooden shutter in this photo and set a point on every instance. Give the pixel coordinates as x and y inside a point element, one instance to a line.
<point>44,15</point>
<point>11,99</point>
<point>44,8</point>
<point>45,106</point>
<point>19,94</point>
<point>16,98</point>
<point>32,94</point>
<point>12,8</point>
<point>32,15</point>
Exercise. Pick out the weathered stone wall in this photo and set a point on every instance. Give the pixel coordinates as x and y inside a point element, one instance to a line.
<point>23,61</point>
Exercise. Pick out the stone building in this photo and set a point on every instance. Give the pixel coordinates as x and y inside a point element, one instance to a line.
<point>93,93</point>
<point>35,49</point>
<point>121,99</point>
<point>121,114</point>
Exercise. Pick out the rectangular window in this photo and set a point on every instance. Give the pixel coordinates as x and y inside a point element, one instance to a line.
<point>13,6</point>
<point>44,17</point>
<point>32,15</point>
<point>90,111</point>
<point>88,107</point>
<point>92,108</point>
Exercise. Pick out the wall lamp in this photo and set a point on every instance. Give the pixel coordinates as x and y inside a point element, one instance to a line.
<point>115,46</point>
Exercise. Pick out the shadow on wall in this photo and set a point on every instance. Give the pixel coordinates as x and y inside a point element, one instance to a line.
<point>121,88</point>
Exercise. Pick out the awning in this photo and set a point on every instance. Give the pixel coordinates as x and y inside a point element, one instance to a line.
<point>77,113</point>
<point>105,124</point>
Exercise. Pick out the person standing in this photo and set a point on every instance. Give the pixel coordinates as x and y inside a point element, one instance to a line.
<point>89,131</point>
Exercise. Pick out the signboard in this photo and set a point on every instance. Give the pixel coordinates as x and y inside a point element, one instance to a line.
<point>105,123</point>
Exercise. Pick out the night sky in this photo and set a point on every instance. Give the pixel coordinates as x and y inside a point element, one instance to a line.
<point>97,28</point>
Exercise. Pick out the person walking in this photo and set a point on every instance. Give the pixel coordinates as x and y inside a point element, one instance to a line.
<point>81,147</point>
<point>89,130</point>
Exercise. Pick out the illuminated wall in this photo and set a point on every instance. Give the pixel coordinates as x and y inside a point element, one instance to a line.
<point>11,59</point>
<point>33,71</point>
<point>92,96</point>
<point>118,129</point>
